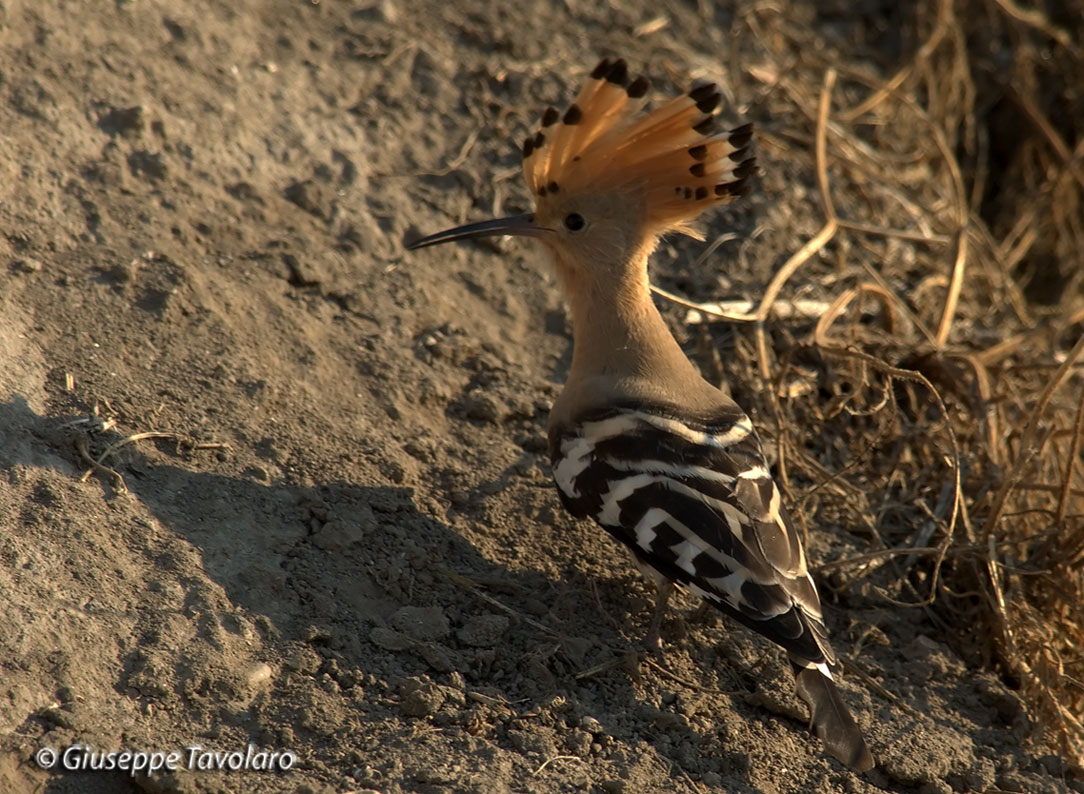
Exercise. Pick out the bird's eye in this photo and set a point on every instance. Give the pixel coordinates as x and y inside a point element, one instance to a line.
<point>574,222</point>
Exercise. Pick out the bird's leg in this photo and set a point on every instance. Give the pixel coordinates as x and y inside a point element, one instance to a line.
<point>653,640</point>
<point>704,612</point>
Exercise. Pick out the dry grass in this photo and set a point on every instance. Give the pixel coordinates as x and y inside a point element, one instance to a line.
<point>941,395</point>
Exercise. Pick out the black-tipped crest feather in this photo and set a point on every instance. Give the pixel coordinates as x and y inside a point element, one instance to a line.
<point>638,87</point>
<point>740,136</point>
<point>618,73</point>
<point>705,126</point>
<point>601,69</point>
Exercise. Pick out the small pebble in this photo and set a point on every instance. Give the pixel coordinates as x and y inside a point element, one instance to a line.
<point>421,697</point>
<point>591,725</point>
<point>483,631</point>
<point>258,675</point>
<point>27,265</point>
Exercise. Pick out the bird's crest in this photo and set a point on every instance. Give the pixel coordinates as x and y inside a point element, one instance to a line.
<point>675,157</point>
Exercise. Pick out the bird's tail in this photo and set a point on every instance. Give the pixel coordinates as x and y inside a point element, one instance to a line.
<point>829,717</point>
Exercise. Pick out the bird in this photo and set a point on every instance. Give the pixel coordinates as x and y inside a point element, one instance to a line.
<point>666,462</point>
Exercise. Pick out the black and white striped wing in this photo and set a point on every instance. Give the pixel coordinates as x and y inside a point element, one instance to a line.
<point>694,500</point>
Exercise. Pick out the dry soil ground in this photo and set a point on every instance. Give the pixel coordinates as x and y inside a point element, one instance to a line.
<point>202,215</point>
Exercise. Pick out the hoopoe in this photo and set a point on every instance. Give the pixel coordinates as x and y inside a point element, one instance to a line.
<point>668,464</point>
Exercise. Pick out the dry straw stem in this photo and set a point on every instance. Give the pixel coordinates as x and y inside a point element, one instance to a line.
<point>1029,447</point>
<point>476,588</point>
<point>819,240</point>
<point>82,446</point>
<point>554,759</point>
<point>944,20</point>
<point>960,239</point>
<point>828,345</point>
<point>1036,19</point>
<point>1072,461</point>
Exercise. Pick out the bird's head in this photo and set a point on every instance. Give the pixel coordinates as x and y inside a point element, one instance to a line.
<point>608,180</point>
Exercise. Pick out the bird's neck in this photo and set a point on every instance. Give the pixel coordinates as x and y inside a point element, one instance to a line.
<point>617,331</point>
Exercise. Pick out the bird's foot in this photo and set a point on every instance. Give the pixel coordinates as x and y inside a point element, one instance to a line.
<point>651,644</point>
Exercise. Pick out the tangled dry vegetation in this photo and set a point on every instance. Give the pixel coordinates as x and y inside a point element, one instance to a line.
<point>942,375</point>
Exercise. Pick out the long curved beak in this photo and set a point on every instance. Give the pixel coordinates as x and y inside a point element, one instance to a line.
<point>519,225</point>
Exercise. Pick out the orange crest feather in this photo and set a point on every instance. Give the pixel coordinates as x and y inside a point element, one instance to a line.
<point>675,157</point>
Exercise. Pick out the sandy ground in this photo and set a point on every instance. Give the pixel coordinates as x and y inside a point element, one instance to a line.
<point>202,209</point>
